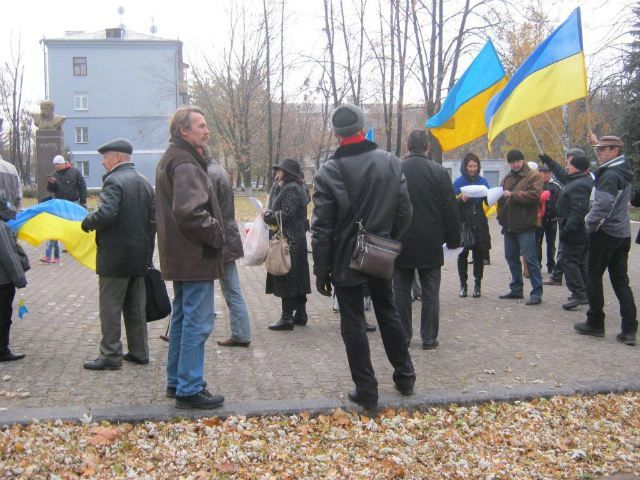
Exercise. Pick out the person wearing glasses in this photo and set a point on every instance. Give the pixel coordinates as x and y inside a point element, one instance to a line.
<point>609,232</point>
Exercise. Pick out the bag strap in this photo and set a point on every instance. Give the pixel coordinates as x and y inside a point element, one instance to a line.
<point>354,210</point>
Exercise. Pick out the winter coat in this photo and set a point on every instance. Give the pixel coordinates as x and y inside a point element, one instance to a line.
<point>10,183</point>
<point>519,212</point>
<point>124,223</point>
<point>381,199</point>
<point>610,208</point>
<point>435,214</point>
<point>11,270</point>
<point>190,225</point>
<point>573,204</point>
<point>232,249</point>
<point>472,211</point>
<point>291,201</point>
<point>69,185</point>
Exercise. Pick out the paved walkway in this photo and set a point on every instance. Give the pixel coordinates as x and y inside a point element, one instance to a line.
<point>489,349</point>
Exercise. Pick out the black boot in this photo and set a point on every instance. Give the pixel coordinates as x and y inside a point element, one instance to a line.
<point>476,289</point>
<point>285,323</point>
<point>463,290</point>
<point>301,318</point>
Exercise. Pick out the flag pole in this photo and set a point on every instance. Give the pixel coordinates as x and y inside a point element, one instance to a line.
<point>588,104</point>
<point>534,137</point>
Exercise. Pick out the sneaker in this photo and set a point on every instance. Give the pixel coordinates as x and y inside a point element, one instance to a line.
<point>203,400</point>
<point>510,295</point>
<point>552,281</point>
<point>336,307</point>
<point>55,260</point>
<point>533,300</point>
<point>627,338</point>
<point>45,259</point>
<point>583,328</point>
<point>171,391</point>
<point>574,302</point>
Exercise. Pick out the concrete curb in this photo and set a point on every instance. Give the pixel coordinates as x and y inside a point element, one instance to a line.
<point>167,412</point>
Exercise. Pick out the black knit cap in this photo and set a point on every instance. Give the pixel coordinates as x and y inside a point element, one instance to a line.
<point>290,166</point>
<point>514,155</point>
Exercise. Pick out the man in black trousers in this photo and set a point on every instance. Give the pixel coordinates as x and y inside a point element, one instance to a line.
<point>359,170</point>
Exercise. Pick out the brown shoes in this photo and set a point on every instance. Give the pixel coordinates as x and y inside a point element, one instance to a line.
<point>232,342</point>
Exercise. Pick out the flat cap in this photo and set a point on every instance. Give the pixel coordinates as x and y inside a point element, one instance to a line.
<point>609,141</point>
<point>121,145</point>
<point>576,153</point>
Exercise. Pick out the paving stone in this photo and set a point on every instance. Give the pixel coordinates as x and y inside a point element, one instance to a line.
<point>489,349</point>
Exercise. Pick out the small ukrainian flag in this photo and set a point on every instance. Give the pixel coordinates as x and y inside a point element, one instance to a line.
<point>22,309</point>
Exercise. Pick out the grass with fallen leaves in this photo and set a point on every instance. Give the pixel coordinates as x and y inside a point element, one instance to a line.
<point>561,437</point>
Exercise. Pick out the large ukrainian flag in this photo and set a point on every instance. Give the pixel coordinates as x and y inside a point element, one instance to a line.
<point>554,74</point>
<point>461,118</point>
<point>57,220</point>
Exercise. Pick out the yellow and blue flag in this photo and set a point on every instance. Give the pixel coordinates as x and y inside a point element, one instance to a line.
<point>57,220</point>
<point>461,118</point>
<point>554,74</point>
<point>22,309</point>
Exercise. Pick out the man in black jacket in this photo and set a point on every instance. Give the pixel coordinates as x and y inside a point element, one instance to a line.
<point>435,221</point>
<point>373,178</point>
<point>549,226</point>
<point>573,206</point>
<point>125,236</point>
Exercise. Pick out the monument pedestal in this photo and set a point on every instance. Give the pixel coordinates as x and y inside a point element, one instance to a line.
<point>49,143</point>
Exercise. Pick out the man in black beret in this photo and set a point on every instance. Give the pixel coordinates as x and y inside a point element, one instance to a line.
<point>125,236</point>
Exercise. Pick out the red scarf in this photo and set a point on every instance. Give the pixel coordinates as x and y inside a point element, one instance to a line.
<point>357,138</point>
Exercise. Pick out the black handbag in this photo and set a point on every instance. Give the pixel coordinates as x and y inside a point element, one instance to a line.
<point>467,239</point>
<point>372,254</point>
<point>158,303</point>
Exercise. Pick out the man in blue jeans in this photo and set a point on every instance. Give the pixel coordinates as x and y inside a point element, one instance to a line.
<point>190,239</point>
<point>518,216</point>
<point>232,250</point>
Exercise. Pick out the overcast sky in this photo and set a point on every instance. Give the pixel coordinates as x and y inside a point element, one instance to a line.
<point>201,25</point>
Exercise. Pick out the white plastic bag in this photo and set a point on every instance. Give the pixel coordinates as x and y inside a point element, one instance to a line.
<point>256,243</point>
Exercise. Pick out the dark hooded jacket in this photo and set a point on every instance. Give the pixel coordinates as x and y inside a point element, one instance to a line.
<point>573,203</point>
<point>69,185</point>
<point>11,267</point>
<point>435,214</point>
<point>472,211</point>
<point>610,209</point>
<point>380,191</point>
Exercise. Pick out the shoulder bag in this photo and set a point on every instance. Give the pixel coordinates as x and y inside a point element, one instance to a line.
<point>372,254</point>
<point>278,259</point>
<point>467,239</point>
<point>158,303</point>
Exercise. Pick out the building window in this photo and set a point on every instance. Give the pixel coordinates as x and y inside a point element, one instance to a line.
<point>83,166</point>
<point>81,101</point>
<point>79,66</point>
<point>82,134</point>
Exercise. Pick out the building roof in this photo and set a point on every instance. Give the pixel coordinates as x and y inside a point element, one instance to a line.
<point>116,33</point>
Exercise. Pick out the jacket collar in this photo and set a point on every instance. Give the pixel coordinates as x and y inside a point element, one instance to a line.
<point>180,143</point>
<point>611,163</point>
<point>354,149</point>
<point>120,166</point>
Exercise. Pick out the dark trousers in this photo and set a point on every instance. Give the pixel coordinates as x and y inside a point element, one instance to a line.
<point>7,294</point>
<point>609,253</point>
<point>479,255</point>
<point>354,335</point>
<point>430,315</point>
<point>572,260</point>
<point>291,304</point>
<point>548,230</point>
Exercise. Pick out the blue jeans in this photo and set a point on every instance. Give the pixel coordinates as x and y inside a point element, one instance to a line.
<point>191,324</point>
<point>232,293</point>
<point>52,246</point>
<point>516,244</point>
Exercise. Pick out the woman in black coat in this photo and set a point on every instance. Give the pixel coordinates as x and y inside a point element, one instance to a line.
<point>289,198</point>
<point>472,212</point>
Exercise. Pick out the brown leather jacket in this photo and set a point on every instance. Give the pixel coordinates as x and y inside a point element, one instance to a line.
<point>189,222</point>
<point>519,212</point>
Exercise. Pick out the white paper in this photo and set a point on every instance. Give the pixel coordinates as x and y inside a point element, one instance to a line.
<point>257,204</point>
<point>493,195</point>
<point>450,253</point>
<point>474,191</point>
